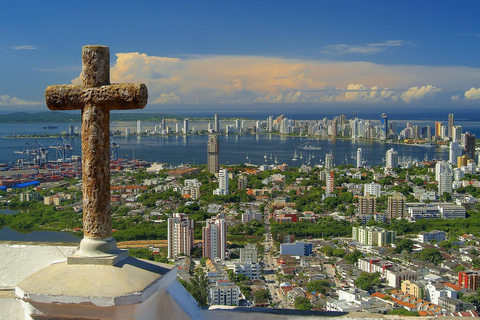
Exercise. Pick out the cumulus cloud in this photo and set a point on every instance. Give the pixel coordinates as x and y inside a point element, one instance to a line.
<point>366,48</point>
<point>7,100</point>
<point>416,93</point>
<point>472,94</point>
<point>260,79</point>
<point>167,98</point>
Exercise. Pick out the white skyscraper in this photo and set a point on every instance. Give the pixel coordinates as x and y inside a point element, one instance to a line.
<point>214,236</point>
<point>186,130</point>
<point>373,189</point>
<point>328,161</point>
<point>359,158</point>
<point>180,235</point>
<point>391,158</point>
<point>139,127</point>
<point>222,183</point>
<point>177,127</point>
<point>455,151</point>
<point>216,123</point>
<point>270,124</point>
<point>445,180</point>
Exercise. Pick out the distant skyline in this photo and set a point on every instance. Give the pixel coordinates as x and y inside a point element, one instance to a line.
<point>228,56</point>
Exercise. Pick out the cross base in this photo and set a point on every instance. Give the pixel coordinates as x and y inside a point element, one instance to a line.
<point>98,252</point>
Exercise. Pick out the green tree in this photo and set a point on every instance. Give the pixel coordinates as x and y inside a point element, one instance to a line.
<point>302,303</point>
<point>404,245</point>
<point>318,286</point>
<point>367,281</point>
<point>432,255</point>
<point>261,294</point>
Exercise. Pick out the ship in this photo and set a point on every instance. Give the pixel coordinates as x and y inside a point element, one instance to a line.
<point>50,127</point>
<point>309,146</point>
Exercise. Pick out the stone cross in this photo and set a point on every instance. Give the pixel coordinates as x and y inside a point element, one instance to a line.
<point>95,98</point>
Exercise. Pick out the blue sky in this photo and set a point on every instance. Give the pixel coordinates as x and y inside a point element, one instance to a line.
<point>251,55</point>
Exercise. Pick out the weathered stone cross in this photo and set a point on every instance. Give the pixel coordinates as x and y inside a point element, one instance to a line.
<point>96,97</point>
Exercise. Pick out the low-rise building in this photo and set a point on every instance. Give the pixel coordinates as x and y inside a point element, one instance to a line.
<point>298,248</point>
<point>436,235</point>
<point>223,293</point>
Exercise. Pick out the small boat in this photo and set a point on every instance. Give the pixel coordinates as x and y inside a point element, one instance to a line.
<point>295,156</point>
<point>309,146</point>
<point>50,127</point>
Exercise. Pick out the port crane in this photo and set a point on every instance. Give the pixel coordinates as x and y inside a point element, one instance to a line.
<point>64,150</point>
<point>33,154</point>
<point>114,149</point>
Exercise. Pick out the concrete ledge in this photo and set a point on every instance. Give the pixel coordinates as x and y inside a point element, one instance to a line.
<point>107,260</point>
<point>131,281</point>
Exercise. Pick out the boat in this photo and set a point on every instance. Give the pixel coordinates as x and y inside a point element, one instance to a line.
<point>429,145</point>
<point>50,127</point>
<point>309,146</point>
<point>295,156</point>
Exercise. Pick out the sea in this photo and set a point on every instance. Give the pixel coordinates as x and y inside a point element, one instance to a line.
<point>235,149</point>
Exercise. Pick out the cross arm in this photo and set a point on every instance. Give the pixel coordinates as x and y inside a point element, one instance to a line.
<point>114,97</point>
<point>118,96</point>
<point>64,97</point>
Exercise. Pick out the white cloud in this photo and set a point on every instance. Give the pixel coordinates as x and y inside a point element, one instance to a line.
<point>258,79</point>
<point>167,98</point>
<point>366,48</point>
<point>472,94</point>
<point>7,100</point>
<point>416,93</point>
<point>25,47</point>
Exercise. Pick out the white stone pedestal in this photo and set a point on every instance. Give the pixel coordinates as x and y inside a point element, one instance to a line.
<point>130,289</point>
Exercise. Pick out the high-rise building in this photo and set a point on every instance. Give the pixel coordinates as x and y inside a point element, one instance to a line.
<point>359,158</point>
<point>70,130</point>
<point>216,123</point>
<point>177,127</point>
<point>445,179</point>
<point>373,236</point>
<point>457,133</point>
<point>139,127</point>
<point>328,161</point>
<point>330,177</point>
<point>270,124</point>
<point>186,129</point>
<point>242,182</point>
<point>451,124</point>
<point>214,236</point>
<point>367,205</point>
<point>384,126</point>
<point>429,133</point>
<point>222,183</point>
<point>438,128</point>
<point>372,188</point>
<point>470,145</point>
<point>180,235</point>
<point>396,207</point>
<point>213,151</point>
<point>454,152</point>
<point>391,158</point>
<point>462,161</point>
<point>249,254</point>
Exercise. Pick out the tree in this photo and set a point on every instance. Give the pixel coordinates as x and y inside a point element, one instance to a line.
<point>367,281</point>
<point>261,294</point>
<point>404,245</point>
<point>317,286</point>
<point>459,267</point>
<point>303,303</point>
<point>430,255</point>
<point>353,257</point>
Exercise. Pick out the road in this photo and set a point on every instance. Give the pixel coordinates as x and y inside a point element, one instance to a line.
<point>270,265</point>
